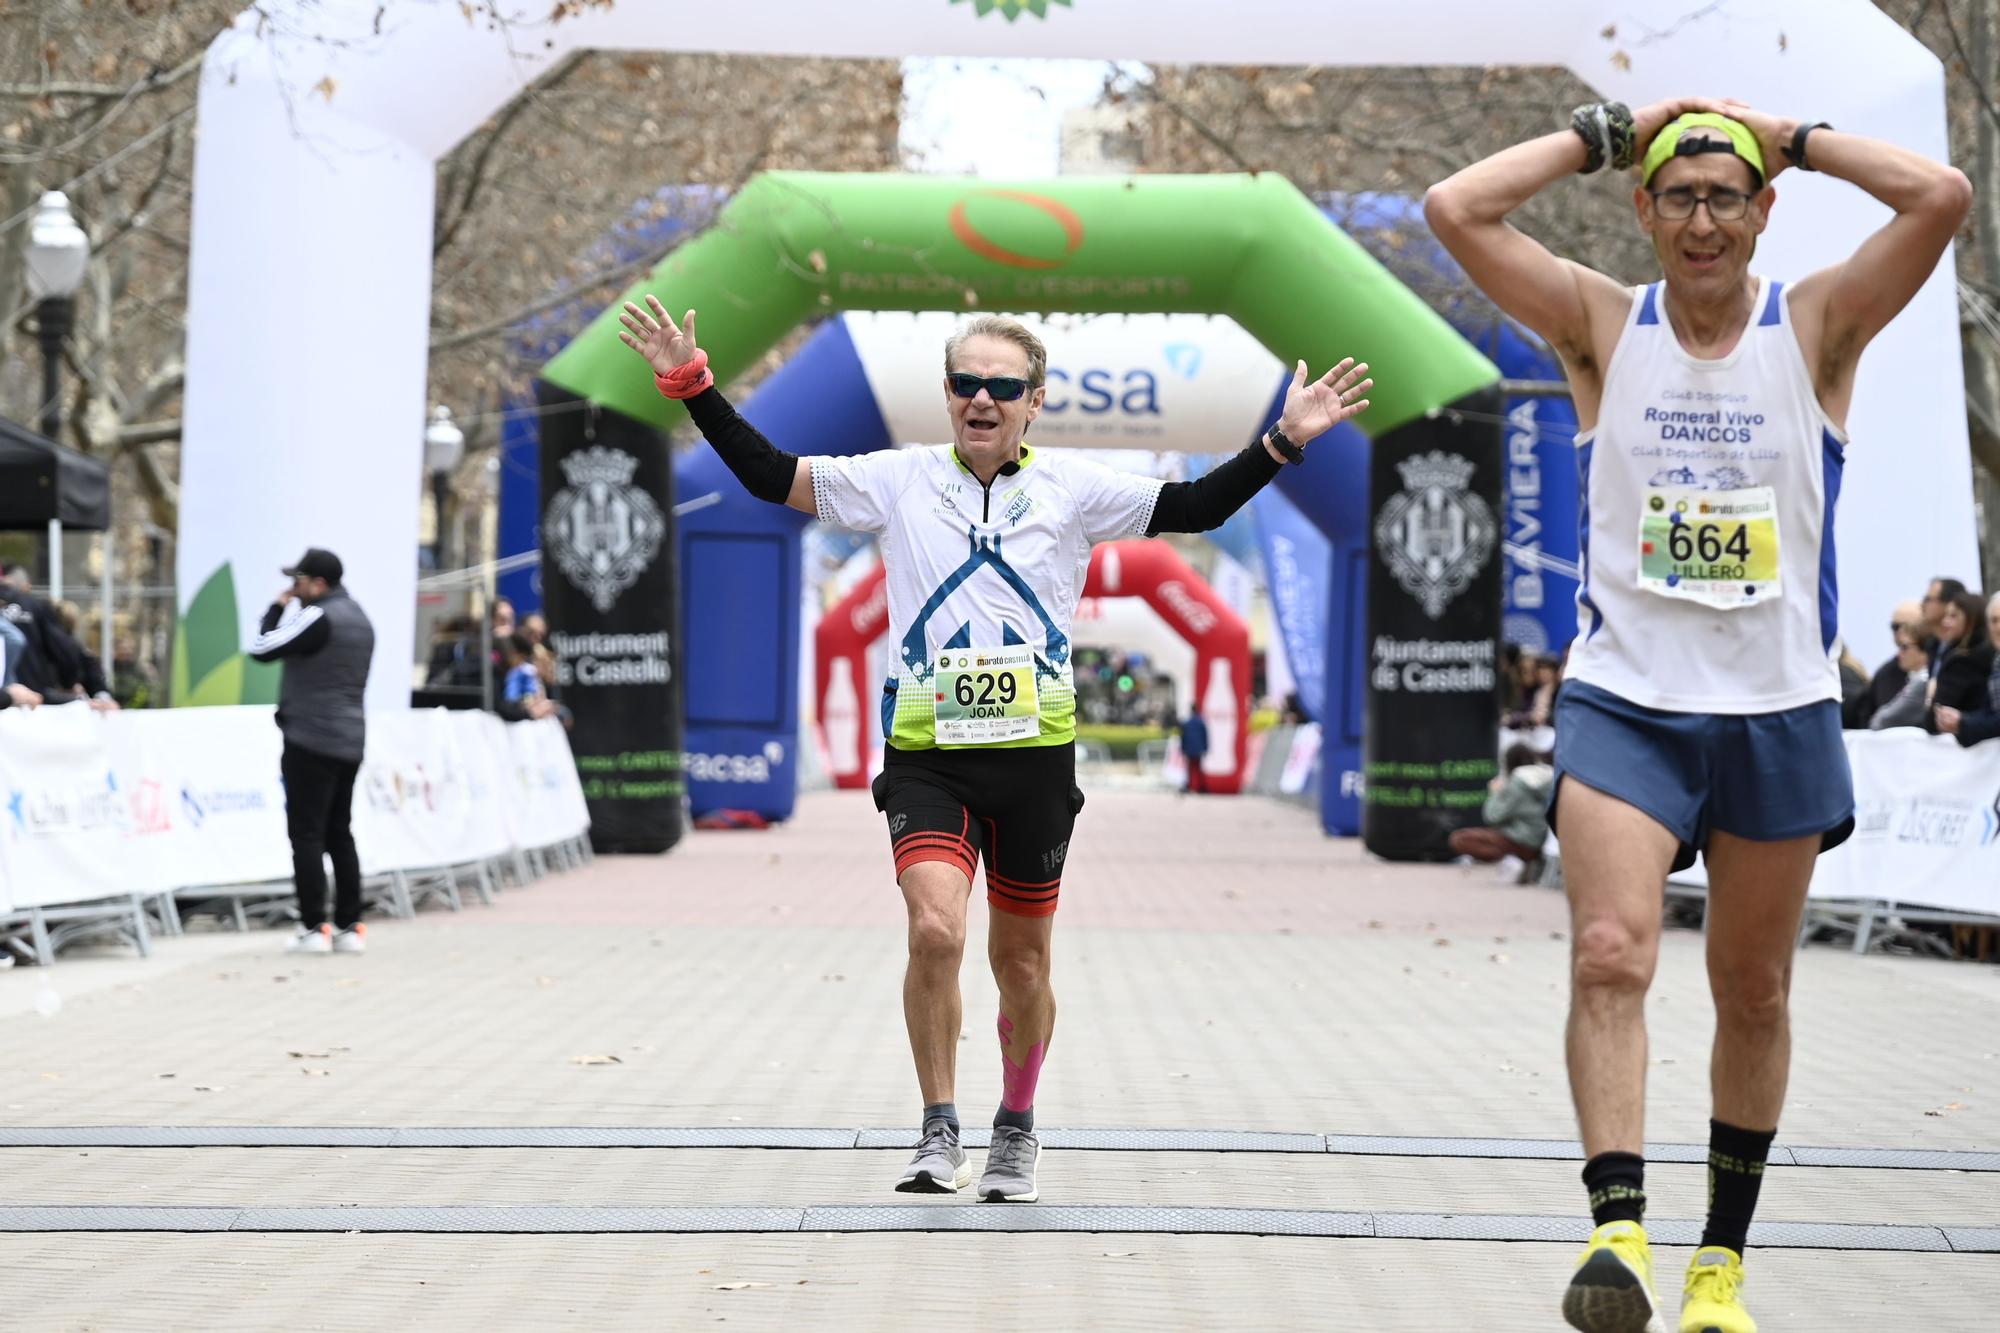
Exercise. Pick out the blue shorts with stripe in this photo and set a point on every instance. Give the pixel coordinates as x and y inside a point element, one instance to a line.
<point>1763,776</point>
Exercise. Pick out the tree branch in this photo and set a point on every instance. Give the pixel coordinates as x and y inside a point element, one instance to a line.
<point>154,81</point>
<point>475,172</point>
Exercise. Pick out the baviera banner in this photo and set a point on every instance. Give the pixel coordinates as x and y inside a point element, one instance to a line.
<point>609,591</point>
<point>1433,712</point>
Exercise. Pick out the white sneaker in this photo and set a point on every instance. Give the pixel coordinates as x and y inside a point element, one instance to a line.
<point>311,941</point>
<point>352,940</point>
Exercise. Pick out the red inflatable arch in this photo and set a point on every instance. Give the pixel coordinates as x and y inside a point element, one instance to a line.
<point>1147,568</point>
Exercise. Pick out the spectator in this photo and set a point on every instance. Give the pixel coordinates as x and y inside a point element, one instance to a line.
<point>133,680</point>
<point>523,695</point>
<point>1516,814</point>
<point>53,664</point>
<point>1545,677</point>
<point>536,627</point>
<point>1936,597</point>
<point>1194,748</point>
<point>1913,663</point>
<point>1890,677</point>
<point>1964,656</point>
<point>13,644</point>
<point>454,653</point>
<point>1978,719</point>
<point>1515,685</point>
<point>1965,659</point>
<point>1853,679</point>
<point>326,643</point>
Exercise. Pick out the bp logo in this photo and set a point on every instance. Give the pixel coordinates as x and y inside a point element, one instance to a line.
<point>601,529</point>
<point>1013,9</point>
<point>1434,534</point>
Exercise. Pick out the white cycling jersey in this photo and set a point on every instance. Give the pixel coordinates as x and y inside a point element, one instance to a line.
<point>983,583</point>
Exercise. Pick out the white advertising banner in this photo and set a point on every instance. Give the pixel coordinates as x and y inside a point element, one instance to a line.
<point>1190,383</point>
<point>100,806</point>
<point>66,815</point>
<point>206,803</point>
<point>1926,826</point>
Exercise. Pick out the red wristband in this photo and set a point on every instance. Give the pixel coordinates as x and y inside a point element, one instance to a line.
<point>686,380</point>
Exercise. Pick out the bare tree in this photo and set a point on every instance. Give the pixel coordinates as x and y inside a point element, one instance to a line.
<point>98,99</point>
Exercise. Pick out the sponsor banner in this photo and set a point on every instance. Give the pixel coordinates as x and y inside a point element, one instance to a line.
<point>1926,825</point>
<point>1432,663</point>
<point>68,817</point>
<point>101,806</point>
<point>1297,565</point>
<point>609,591</point>
<point>1159,382</point>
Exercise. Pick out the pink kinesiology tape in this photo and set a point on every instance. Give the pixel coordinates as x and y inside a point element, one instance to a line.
<point>1017,1082</point>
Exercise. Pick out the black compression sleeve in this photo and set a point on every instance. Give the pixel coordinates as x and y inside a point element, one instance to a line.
<point>765,470</point>
<point>1207,502</point>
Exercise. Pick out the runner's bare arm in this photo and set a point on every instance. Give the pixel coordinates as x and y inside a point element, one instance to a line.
<point>1468,214</point>
<point>766,471</point>
<point>1839,309</point>
<point>1576,309</point>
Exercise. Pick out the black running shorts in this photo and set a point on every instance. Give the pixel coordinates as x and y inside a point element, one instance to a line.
<point>1014,807</point>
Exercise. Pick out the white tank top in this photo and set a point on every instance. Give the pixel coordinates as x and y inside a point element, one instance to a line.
<point>1707,523</point>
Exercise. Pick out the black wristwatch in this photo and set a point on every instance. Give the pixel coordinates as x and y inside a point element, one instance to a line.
<point>1795,151</point>
<point>1279,441</point>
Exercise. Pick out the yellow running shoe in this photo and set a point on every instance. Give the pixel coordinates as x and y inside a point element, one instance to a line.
<point>1612,1289</point>
<point>1708,1301</point>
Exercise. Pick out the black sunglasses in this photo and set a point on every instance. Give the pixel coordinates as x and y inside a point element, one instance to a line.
<point>1002,388</point>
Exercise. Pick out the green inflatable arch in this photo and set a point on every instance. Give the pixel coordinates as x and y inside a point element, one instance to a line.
<point>793,245</point>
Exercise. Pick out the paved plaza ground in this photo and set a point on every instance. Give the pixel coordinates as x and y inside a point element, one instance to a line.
<point>1367,1057</point>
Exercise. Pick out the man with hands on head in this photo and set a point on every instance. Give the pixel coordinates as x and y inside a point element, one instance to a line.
<point>985,542</point>
<point>1701,710</point>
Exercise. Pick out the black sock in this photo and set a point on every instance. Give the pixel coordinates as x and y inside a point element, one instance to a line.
<point>1617,1185</point>
<point>1024,1120</point>
<point>1735,1173</point>
<point>945,1111</point>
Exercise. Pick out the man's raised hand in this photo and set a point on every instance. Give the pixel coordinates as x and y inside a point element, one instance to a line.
<point>653,334</point>
<point>1312,409</point>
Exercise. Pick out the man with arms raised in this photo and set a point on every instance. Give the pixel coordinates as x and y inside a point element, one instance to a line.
<point>986,542</point>
<point>1702,704</point>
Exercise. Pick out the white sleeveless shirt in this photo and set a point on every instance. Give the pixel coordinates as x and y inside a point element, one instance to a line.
<point>1707,523</point>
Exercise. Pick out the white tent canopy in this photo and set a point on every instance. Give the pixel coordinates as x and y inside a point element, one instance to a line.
<point>315,168</point>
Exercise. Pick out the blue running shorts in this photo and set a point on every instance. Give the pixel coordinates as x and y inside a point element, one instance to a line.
<point>1763,776</point>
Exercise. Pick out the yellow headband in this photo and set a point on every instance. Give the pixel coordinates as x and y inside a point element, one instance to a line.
<point>1667,143</point>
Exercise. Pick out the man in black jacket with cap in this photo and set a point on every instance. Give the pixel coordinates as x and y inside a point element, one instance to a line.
<point>326,643</point>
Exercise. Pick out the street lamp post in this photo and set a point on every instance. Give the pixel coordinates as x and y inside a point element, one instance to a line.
<point>57,255</point>
<point>444,448</point>
<point>58,252</point>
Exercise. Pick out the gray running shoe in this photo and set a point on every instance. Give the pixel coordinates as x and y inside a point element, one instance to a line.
<point>940,1166</point>
<point>1010,1167</point>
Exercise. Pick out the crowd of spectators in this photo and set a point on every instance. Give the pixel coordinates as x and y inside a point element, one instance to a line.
<point>525,672</point>
<point>42,662</point>
<point>1944,676</point>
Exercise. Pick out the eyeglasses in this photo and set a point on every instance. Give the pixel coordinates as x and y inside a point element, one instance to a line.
<point>1002,388</point>
<point>1677,204</point>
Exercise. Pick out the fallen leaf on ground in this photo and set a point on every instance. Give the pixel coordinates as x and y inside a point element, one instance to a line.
<point>315,1073</point>
<point>210,1087</point>
<point>739,1286</point>
<point>1440,943</point>
<point>310,1055</point>
<point>595,1060</point>
<point>1121,1254</point>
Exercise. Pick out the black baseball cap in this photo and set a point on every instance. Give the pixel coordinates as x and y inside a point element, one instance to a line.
<point>316,564</point>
